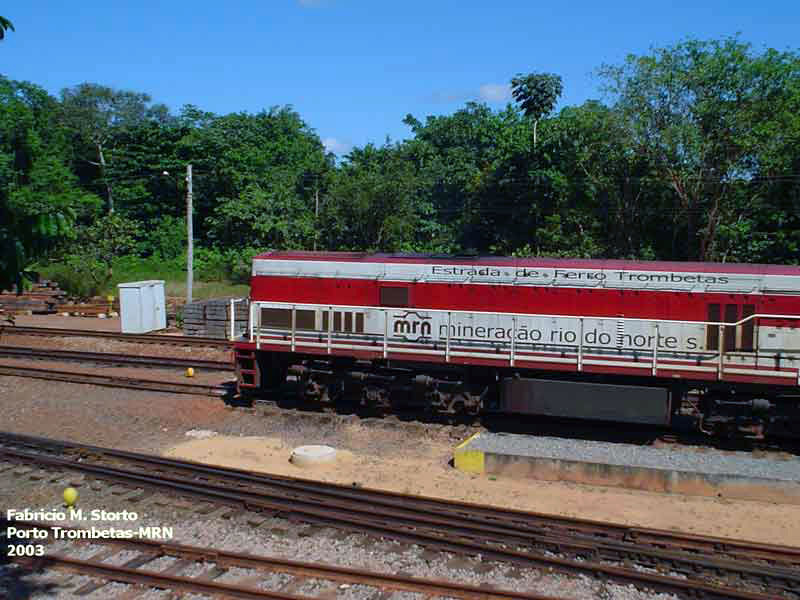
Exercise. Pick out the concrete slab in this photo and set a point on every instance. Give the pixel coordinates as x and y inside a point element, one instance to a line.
<point>675,470</point>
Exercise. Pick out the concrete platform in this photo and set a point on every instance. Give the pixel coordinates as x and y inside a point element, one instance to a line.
<point>674,470</point>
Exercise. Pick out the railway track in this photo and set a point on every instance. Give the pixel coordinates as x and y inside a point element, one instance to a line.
<point>151,385</point>
<point>174,340</point>
<point>138,570</point>
<point>108,358</point>
<point>688,565</point>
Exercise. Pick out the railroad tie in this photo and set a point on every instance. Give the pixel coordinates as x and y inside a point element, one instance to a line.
<point>133,563</point>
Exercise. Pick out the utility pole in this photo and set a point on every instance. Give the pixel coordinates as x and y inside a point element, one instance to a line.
<point>189,235</point>
<point>316,214</point>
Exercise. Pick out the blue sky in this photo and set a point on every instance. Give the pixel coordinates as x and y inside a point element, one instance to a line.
<point>354,68</point>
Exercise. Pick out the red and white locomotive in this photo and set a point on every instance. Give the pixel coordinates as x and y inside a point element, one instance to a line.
<point>640,342</point>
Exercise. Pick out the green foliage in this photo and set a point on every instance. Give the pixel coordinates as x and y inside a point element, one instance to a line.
<point>233,265</point>
<point>274,217</point>
<point>695,155</point>
<point>98,245</point>
<point>164,238</point>
<point>98,117</point>
<point>39,198</point>
<point>5,25</point>
<point>707,116</point>
<point>378,201</point>
<point>132,267</point>
<point>537,93</point>
<point>248,162</point>
<point>71,274</point>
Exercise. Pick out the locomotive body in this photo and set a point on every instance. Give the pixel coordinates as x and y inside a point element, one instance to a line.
<point>614,340</point>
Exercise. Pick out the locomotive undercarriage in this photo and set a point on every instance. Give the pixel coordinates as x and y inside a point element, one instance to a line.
<point>384,387</point>
<point>727,411</point>
<point>390,386</point>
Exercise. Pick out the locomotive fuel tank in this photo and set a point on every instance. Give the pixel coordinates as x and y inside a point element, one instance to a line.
<point>579,400</point>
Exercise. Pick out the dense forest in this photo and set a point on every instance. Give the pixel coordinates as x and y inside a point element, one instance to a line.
<point>693,154</point>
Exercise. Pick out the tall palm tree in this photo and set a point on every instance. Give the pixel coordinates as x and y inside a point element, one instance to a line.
<point>5,24</point>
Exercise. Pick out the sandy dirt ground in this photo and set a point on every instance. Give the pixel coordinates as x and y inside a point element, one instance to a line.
<point>62,322</point>
<point>430,474</point>
<point>408,458</point>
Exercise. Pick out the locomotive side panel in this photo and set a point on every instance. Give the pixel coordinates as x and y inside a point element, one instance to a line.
<point>646,347</point>
<point>498,335</point>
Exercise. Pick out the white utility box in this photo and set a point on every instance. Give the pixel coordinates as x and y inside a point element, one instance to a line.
<point>142,306</point>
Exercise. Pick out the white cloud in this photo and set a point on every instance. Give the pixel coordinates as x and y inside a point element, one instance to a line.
<point>336,146</point>
<point>495,92</point>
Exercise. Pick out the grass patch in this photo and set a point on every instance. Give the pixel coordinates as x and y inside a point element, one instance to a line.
<point>205,290</point>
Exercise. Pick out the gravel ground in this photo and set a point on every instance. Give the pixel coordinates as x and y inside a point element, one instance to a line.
<point>112,346</point>
<point>166,374</point>
<point>708,461</point>
<point>352,551</point>
<point>276,537</point>
<point>389,453</point>
<point>154,422</point>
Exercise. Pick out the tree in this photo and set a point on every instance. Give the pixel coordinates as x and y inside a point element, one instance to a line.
<point>456,156</point>
<point>142,154</point>
<point>537,94</point>
<point>266,217</point>
<point>379,201</point>
<point>97,114</point>
<point>105,239</point>
<point>5,25</point>
<point>251,158</point>
<point>39,196</point>
<point>703,113</point>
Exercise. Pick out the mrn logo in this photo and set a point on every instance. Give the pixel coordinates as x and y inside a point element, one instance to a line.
<point>412,326</point>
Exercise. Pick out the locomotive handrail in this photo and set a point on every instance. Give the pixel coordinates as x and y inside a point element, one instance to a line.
<point>290,305</point>
<point>232,335</point>
<point>512,355</point>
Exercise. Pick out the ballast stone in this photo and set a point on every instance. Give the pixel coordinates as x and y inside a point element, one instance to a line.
<point>310,456</point>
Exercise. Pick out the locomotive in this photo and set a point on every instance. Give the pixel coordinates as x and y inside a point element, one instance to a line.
<point>717,345</point>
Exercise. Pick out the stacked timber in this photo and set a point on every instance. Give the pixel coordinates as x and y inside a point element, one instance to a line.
<point>211,318</point>
<point>95,307</point>
<point>43,297</point>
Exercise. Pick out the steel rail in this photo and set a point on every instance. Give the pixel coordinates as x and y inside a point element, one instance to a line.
<point>299,569</point>
<point>496,519</point>
<point>113,358</point>
<point>508,519</point>
<point>422,531</point>
<point>155,338</point>
<point>151,385</point>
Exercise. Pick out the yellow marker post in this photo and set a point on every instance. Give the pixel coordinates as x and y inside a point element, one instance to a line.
<point>190,372</point>
<point>468,460</point>
<point>70,496</point>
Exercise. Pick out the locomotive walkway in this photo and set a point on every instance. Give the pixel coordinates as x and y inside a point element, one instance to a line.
<point>687,565</point>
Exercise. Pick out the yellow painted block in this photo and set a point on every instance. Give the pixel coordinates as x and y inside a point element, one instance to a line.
<point>467,460</point>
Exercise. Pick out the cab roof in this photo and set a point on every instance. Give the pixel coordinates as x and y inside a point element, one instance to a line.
<point>552,263</point>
